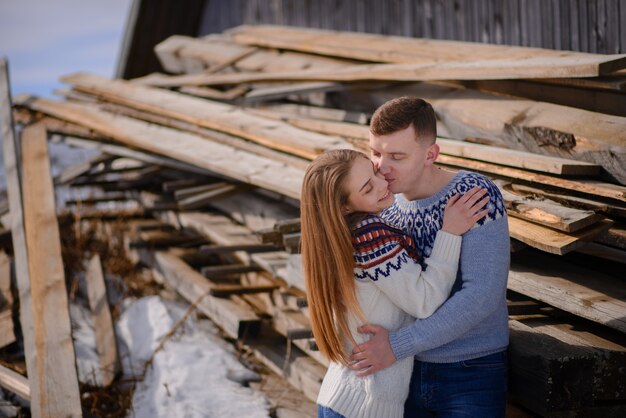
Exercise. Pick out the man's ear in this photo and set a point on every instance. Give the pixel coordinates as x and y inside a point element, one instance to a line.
<point>432,153</point>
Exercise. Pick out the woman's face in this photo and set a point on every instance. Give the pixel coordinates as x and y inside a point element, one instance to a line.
<point>367,189</point>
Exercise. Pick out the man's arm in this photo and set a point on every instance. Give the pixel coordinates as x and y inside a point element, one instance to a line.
<point>484,262</point>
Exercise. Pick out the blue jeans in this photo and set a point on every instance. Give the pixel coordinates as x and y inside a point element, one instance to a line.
<point>470,388</point>
<point>326,412</point>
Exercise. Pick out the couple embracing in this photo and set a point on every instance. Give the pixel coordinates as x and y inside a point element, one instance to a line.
<point>407,293</point>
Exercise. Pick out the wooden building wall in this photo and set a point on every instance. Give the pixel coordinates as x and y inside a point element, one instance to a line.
<point>580,25</point>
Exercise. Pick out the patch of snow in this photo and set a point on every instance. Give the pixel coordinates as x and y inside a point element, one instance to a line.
<point>188,377</point>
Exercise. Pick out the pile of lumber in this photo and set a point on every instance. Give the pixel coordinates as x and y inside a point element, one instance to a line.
<point>205,164</point>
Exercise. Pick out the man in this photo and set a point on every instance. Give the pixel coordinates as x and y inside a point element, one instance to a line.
<point>460,363</point>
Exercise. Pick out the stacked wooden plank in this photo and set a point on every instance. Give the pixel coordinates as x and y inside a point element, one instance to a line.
<point>214,159</point>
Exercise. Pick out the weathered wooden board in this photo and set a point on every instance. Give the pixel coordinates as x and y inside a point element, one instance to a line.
<point>106,345</point>
<point>552,241</point>
<point>611,209</point>
<point>210,134</point>
<point>589,187</point>
<point>547,212</point>
<point>7,333</point>
<point>288,361</point>
<point>53,392</point>
<point>183,146</point>
<point>56,392</point>
<point>557,367</point>
<point>383,48</point>
<point>286,320</point>
<point>236,319</point>
<point>205,113</point>
<point>583,292</point>
<point>518,159</point>
<point>180,54</point>
<point>534,67</point>
<point>14,382</point>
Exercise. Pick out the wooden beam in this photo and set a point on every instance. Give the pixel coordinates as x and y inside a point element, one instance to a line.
<point>43,403</point>
<point>210,134</point>
<point>207,197</point>
<point>14,382</point>
<point>518,159</point>
<point>164,239</point>
<point>182,146</point>
<point>195,189</point>
<point>210,93</point>
<point>76,170</point>
<point>583,292</point>
<point>145,157</point>
<point>301,371</point>
<point>249,248</point>
<point>176,52</point>
<point>612,102</point>
<point>532,67</point>
<point>218,272</point>
<point>57,392</point>
<point>546,212</point>
<point>236,319</point>
<point>603,251</point>
<point>212,115</point>
<point>227,290</point>
<point>106,344</point>
<point>7,333</point>
<point>611,209</point>
<point>283,90</point>
<point>582,186</point>
<point>615,237</point>
<point>385,48</point>
<point>288,320</point>
<point>255,210</point>
<point>317,112</point>
<point>557,367</point>
<point>552,241</point>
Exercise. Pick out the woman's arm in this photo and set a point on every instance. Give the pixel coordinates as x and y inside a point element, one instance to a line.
<point>416,291</point>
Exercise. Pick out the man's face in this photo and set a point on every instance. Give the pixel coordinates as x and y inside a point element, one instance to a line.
<point>400,158</point>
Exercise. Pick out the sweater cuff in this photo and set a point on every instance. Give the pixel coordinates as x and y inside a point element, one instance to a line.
<point>402,343</point>
<point>447,247</point>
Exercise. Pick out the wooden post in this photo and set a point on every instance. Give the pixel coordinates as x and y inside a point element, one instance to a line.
<point>54,349</point>
<point>48,345</point>
<point>10,152</point>
<point>103,324</point>
<point>7,334</point>
<point>14,382</point>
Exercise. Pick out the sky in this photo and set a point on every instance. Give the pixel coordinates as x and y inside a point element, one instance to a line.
<point>45,39</point>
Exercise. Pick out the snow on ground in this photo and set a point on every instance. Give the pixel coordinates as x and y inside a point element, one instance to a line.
<point>188,375</point>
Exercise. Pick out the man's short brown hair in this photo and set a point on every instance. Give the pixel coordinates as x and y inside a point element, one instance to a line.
<point>398,114</point>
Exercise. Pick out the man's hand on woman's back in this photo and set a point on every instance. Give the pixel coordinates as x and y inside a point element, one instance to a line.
<point>373,355</point>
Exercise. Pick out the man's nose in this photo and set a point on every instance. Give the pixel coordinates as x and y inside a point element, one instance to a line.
<point>382,166</point>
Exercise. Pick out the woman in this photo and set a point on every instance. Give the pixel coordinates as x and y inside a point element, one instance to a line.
<point>359,270</point>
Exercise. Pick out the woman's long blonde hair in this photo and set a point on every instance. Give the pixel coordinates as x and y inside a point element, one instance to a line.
<point>327,251</point>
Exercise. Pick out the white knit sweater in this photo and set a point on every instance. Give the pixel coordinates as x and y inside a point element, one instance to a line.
<point>392,290</point>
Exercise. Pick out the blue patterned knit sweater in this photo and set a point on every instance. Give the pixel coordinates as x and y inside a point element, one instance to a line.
<point>473,322</point>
